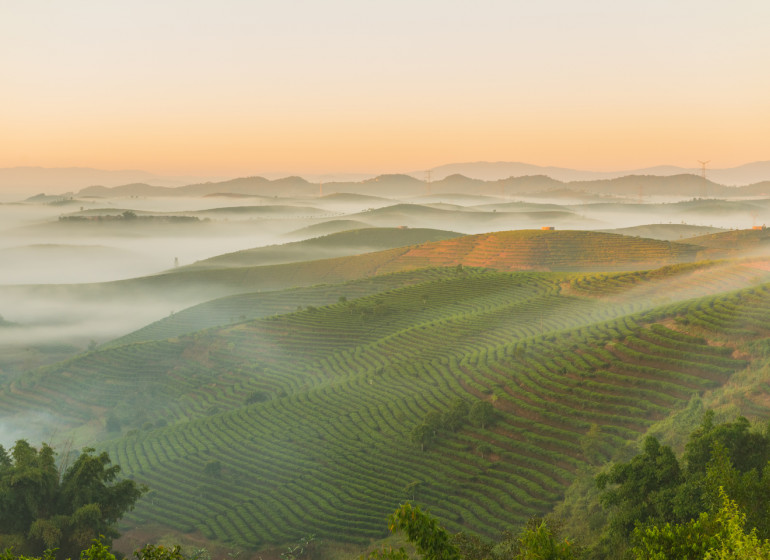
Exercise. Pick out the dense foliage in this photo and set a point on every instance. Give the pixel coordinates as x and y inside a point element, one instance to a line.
<point>100,551</point>
<point>538,540</point>
<point>657,500</point>
<point>45,507</point>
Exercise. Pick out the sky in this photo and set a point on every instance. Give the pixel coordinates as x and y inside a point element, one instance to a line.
<point>238,87</point>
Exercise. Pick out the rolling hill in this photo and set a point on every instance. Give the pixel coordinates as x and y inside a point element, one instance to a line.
<point>241,307</point>
<point>549,250</point>
<point>290,406</point>
<point>326,228</point>
<point>665,232</point>
<point>469,219</point>
<point>345,243</point>
<point>742,240</point>
<point>264,416</point>
<point>508,251</point>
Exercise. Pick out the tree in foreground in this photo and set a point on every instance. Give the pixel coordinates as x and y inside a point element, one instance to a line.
<point>100,551</point>
<point>430,539</point>
<point>663,508</point>
<point>713,536</point>
<point>538,541</point>
<point>44,508</point>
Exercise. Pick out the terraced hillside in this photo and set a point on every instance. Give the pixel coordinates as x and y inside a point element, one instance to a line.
<point>240,307</point>
<point>283,460</point>
<point>674,282</point>
<point>312,422</point>
<point>577,298</point>
<point>422,303</point>
<point>550,250</point>
<point>510,250</point>
<point>653,287</point>
<point>736,241</point>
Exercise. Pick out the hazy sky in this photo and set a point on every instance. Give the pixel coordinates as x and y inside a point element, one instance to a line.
<point>236,87</point>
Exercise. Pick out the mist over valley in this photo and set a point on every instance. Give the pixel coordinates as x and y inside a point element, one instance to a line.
<point>265,354</point>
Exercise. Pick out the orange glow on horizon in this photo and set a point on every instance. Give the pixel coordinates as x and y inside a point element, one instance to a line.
<point>214,91</point>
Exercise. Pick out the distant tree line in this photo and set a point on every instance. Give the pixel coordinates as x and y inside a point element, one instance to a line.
<point>128,216</point>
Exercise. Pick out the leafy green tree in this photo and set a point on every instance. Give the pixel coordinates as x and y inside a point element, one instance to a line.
<point>540,541</point>
<point>100,551</point>
<point>457,415</point>
<point>423,531</point>
<point>433,421</point>
<point>642,489</point>
<point>750,490</point>
<point>654,493</point>
<point>484,449</point>
<point>734,542</point>
<point>686,541</point>
<point>713,536</point>
<point>421,435</point>
<point>256,397</point>
<point>747,449</point>
<point>481,413</point>
<point>153,552</point>
<point>42,509</point>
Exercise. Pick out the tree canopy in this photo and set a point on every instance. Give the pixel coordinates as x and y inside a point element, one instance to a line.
<point>44,506</point>
<point>657,500</point>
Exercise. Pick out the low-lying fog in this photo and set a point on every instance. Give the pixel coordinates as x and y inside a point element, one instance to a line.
<point>143,236</point>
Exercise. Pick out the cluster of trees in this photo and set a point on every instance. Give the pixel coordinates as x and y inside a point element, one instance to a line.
<point>127,215</point>
<point>720,535</point>
<point>45,506</point>
<point>480,414</point>
<point>660,502</point>
<point>538,540</point>
<point>100,551</point>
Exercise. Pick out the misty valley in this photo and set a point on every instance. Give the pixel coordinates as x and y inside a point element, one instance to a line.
<point>280,361</point>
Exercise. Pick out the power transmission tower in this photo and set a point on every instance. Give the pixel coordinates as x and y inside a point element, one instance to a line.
<point>703,174</point>
<point>428,180</point>
<point>703,168</point>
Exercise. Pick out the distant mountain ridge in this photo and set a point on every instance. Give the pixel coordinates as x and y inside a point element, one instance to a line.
<point>404,186</point>
<point>60,180</point>
<point>746,174</point>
